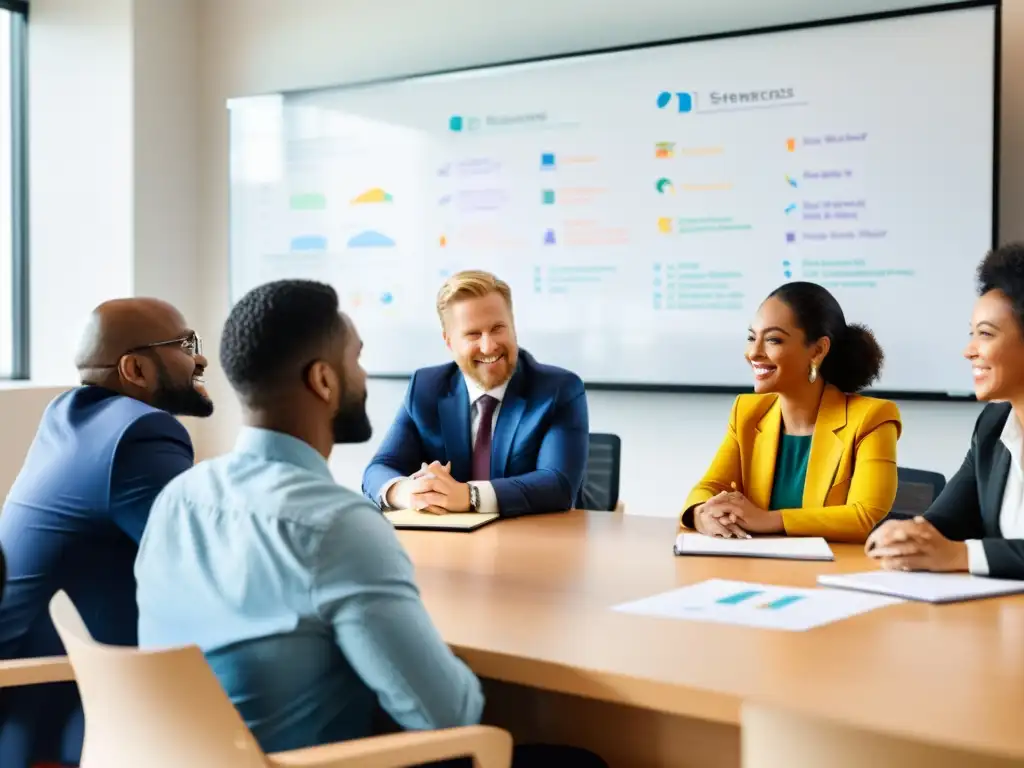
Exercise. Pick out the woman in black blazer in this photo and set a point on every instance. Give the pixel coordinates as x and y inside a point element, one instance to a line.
<point>977,522</point>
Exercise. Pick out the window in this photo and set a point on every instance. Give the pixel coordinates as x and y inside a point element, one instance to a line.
<point>13,193</point>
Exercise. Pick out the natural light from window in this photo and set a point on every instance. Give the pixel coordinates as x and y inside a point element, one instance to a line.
<point>7,304</point>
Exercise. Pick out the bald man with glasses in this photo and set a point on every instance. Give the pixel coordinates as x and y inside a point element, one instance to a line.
<point>76,512</point>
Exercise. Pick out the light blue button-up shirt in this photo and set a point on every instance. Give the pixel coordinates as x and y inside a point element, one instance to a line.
<point>301,597</point>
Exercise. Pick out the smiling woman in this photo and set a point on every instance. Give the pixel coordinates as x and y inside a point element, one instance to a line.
<point>804,455</point>
<point>977,523</point>
<point>996,348</point>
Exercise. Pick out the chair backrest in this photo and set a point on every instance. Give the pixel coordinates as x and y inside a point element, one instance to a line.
<point>601,482</point>
<point>915,492</point>
<point>159,709</point>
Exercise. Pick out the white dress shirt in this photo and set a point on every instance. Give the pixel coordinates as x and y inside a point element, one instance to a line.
<point>488,498</point>
<point>1011,513</point>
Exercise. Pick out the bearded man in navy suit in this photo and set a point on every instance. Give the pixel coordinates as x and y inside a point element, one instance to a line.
<point>495,431</point>
<point>73,519</point>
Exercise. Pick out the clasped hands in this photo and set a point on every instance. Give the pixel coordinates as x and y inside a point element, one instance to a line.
<point>431,489</point>
<point>915,545</point>
<point>731,515</point>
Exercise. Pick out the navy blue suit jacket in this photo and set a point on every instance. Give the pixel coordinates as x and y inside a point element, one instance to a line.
<point>538,451</point>
<point>72,521</point>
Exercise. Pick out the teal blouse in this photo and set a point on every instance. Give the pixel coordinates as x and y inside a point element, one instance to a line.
<point>790,472</point>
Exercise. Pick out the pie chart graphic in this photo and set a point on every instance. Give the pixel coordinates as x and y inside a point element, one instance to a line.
<point>664,186</point>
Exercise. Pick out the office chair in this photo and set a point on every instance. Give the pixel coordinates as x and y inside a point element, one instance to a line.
<point>916,491</point>
<point>601,482</point>
<point>166,709</point>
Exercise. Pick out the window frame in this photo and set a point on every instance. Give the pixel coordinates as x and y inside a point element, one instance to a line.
<point>19,188</point>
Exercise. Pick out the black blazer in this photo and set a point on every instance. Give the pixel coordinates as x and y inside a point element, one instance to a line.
<point>969,505</point>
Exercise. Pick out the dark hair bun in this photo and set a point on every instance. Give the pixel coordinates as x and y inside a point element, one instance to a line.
<point>855,357</point>
<point>855,360</point>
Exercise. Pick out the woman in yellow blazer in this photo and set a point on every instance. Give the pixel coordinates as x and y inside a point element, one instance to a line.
<point>804,455</point>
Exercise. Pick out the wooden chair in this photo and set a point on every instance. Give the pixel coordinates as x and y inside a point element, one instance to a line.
<point>166,709</point>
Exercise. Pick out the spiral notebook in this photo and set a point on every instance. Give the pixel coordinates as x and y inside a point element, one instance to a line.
<point>411,520</point>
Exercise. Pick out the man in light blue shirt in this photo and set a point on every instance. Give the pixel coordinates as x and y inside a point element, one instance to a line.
<point>296,589</point>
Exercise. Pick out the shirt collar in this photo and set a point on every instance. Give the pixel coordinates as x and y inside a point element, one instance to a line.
<point>476,391</point>
<point>1013,437</point>
<point>277,446</point>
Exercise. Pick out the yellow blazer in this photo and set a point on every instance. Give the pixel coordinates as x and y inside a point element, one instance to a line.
<point>851,471</point>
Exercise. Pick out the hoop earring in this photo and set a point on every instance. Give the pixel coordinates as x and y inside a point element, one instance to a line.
<point>813,376</point>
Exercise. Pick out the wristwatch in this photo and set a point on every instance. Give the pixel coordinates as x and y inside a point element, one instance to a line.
<point>474,499</point>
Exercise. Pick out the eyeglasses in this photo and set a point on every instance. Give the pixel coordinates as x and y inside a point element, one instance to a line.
<point>191,343</point>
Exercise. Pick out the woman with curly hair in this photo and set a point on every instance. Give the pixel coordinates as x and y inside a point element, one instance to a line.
<point>977,522</point>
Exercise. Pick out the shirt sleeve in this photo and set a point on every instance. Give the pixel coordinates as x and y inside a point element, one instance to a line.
<point>977,560</point>
<point>363,586</point>
<point>488,497</point>
<point>382,497</point>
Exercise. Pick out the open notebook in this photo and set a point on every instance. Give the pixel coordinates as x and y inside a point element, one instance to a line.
<point>411,520</point>
<point>775,547</point>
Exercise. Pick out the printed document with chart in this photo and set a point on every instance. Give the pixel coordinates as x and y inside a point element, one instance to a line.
<point>765,606</point>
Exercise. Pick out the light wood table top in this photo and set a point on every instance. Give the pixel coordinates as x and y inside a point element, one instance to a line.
<point>528,601</point>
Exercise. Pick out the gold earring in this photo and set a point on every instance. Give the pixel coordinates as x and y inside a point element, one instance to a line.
<point>813,377</point>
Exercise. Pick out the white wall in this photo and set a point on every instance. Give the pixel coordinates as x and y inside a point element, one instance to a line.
<point>80,166</point>
<point>84,227</point>
<point>166,151</point>
<point>113,142</point>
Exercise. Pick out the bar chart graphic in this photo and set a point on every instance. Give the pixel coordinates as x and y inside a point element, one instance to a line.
<point>773,603</point>
<point>739,597</point>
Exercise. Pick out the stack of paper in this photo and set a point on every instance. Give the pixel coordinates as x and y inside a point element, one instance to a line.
<point>926,587</point>
<point>780,547</point>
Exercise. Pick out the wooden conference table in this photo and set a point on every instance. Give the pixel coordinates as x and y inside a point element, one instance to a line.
<point>526,603</point>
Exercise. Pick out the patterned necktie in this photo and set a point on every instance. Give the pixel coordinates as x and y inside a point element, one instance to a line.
<point>482,446</point>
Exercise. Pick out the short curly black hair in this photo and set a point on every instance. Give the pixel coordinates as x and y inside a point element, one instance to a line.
<point>1002,269</point>
<point>273,332</point>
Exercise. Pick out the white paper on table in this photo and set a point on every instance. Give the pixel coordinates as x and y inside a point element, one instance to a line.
<point>778,547</point>
<point>927,587</point>
<point>765,606</point>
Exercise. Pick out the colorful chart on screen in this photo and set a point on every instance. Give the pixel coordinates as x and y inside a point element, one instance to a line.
<point>643,203</point>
